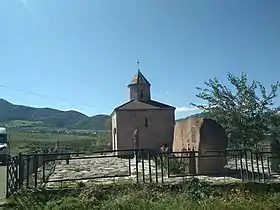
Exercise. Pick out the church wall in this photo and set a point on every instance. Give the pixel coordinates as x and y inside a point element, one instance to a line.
<point>159,128</point>
<point>135,92</point>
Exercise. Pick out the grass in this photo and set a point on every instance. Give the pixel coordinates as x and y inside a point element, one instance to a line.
<point>126,195</point>
<point>22,123</point>
<point>28,141</point>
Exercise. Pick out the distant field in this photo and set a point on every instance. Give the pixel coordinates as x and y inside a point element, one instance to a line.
<point>30,141</point>
<point>21,123</point>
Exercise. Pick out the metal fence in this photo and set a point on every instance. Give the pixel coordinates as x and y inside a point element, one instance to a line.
<point>12,176</point>
<point>41,169</point>
<point>230,165</point>
<point>30,170</point>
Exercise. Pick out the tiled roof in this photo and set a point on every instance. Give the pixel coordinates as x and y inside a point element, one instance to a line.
<point>139,79</point>
<point>143,105</point>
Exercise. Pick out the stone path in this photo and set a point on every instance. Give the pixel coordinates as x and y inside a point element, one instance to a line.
<point>107,166</point>
<point>112,166</point>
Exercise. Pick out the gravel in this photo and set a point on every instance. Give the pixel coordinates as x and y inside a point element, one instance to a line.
<point>113,166</point>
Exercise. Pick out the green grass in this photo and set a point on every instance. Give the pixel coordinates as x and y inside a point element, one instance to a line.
<point>31,141</point>
<point>21,123</point>
<point>125,195</point>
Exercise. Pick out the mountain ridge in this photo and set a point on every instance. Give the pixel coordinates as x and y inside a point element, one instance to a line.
<point>52,117</point>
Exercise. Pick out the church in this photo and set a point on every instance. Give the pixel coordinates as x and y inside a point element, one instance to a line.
<point>154,121</point>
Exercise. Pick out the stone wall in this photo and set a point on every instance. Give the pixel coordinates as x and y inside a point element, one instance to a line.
<point>204,136</point>
<point>159,128</point>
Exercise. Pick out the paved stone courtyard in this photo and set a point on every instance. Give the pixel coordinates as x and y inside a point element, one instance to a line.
<point>113,166</point>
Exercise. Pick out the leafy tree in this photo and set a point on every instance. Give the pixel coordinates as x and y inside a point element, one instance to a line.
<point>247,111</point>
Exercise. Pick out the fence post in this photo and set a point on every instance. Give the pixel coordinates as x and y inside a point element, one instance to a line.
<point>143,165</point>
<point>136,166</point>
<point>168,166</point>
<point>67,159</point>
<point>246,164</point>
<point>129,166</point>
<point>161,167</point>
<point>36,158</point>
<point>192,162</point>
<point>258,169</point>
<point>16,172</point>
<point>150,169</point>
<point>241,165</point>
<point>44,167</point>
<point>21,169</point>
<point>27,170</point>
<point>236,160</point>
<point>252,165</point>
<point>156,168</point>
<point>263,172</point>
<point>7,176</point>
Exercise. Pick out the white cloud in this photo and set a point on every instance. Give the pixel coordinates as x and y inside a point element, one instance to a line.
<point>186,109</point>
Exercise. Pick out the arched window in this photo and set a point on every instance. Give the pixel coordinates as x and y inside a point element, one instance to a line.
<point>146,122</point>
<point>141,94</point>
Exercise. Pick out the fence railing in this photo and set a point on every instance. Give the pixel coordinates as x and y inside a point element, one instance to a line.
<point>41,169</point>
<point>30,170</point>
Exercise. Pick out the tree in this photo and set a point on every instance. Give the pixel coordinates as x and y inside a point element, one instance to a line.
<point>247,112</point>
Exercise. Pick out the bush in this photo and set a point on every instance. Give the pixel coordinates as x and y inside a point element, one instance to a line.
<point>175,166</point>
<point>192,194</point>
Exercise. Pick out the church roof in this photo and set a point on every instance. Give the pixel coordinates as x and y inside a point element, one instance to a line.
<point>139,79</point>
<point>143,105</point>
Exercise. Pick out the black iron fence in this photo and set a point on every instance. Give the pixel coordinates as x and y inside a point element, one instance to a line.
<point>12,176</point>
<point>30,170</point>
<point>42,169</point>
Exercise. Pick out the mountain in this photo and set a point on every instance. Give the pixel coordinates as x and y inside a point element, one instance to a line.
<point>193,115</point>
<point>52,117</point>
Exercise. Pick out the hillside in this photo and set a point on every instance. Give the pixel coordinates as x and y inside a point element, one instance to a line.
<point>51,117</point>
<point>193,115</point>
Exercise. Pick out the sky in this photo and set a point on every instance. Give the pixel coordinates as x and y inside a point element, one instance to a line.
<point>82,54</point>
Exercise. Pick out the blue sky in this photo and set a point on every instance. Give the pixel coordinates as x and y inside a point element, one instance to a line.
<point>81,54</point>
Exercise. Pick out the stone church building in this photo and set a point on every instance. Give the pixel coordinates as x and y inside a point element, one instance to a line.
<point>154,121</point>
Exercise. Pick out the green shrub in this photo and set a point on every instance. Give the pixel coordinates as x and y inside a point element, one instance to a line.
<point>192,194</point>
<point>175,166</point>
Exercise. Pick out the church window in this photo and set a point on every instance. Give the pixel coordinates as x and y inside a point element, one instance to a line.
<point>141,94</point>
<point>146,122</point>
